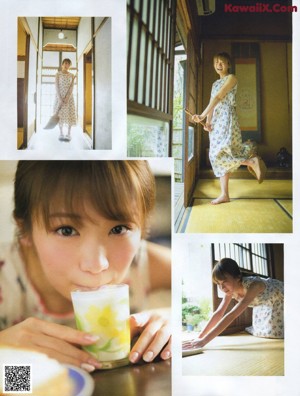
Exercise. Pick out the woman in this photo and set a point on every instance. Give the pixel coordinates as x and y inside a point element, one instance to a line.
<point>226,151</point>
<point>80,223</point>
<point>64,104</point>
<point>264,295</point>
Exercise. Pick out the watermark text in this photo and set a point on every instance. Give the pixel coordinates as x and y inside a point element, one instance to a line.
<point>260,8</point>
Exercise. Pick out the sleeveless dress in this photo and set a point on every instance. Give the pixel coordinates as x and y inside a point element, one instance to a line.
<point>226,151</point>
<point>267,314</point>
<point>67,113</point>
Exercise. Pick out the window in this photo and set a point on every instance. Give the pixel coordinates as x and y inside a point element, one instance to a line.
<point>147,138</point>
<point>252,257</point>
<point>178,112</point>
<point>149,52</point>
<point>196,285</point>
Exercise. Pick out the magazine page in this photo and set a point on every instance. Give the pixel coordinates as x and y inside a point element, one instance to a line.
<point>223,350</point>
<point>149,197</point>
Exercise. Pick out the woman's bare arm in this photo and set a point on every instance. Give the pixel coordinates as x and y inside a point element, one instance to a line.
<point>254,290</point>
<point>229,84</point>
<point>217,316</point>
<point>57,87</point>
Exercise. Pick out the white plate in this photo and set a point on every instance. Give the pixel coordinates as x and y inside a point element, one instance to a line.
<point>83,382</point>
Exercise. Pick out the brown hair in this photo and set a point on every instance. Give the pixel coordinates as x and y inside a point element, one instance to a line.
<point>223,56</point>
<point>226,266</point>
<point>67,60</point>
<point>118,190</point>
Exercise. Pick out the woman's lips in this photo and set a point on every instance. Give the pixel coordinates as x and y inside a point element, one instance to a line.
<point>86,288</point>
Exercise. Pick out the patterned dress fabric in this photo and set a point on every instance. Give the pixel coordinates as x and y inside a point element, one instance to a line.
<point>226,151</point>
<point>267,314</point>
<point>67,113</point>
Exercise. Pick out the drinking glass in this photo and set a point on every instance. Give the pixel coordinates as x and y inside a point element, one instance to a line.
<point>105,312</point>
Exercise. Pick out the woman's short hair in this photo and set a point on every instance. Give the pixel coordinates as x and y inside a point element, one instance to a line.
<point>117,190</point>
<point>67,60</point>
<point>224,267</point>
<point>224,56</point>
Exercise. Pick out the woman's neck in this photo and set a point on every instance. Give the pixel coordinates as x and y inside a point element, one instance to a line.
<point>239,290</point>
<point>222,75</point>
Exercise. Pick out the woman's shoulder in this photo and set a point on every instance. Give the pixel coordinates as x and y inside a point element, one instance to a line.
<point>254,284</point>
<point>251,279</point>
<point>60,72</point>
<point>232,79</point>
<point>229,80</point>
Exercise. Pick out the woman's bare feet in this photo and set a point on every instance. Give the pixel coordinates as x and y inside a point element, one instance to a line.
<point>220,199</point>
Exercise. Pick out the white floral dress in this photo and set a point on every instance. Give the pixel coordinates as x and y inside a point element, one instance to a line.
<point>67,113</point>
<point>267,314</point>
<point>226,151</point>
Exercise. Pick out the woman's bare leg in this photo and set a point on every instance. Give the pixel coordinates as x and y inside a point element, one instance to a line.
<point>224,196</point>
<point>61,135</point>
<point>69,133</point>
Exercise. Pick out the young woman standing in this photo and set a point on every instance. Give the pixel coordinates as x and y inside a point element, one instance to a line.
<point>226,151</point>
<point>64,104</point>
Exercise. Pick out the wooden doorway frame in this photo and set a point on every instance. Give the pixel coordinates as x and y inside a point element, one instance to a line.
<point>89,54</point>
<point>25,87</point>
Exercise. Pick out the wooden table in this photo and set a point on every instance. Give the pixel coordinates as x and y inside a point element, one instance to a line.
<point>145,379</point>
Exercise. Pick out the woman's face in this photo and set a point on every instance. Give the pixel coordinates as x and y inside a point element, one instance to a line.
<point>229,284</point>
<point>84,250</point>
<point>65,66</point>
<point>221,66</point>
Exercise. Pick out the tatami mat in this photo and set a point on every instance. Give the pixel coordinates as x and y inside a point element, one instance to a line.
<point>254,208</point>
<point>287,205</point>
<point>238,216</point>
<point>241,188</point>
<point>238,354</point>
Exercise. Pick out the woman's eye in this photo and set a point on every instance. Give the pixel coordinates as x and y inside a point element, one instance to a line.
<point>66,231</point>
<point>119,230</point>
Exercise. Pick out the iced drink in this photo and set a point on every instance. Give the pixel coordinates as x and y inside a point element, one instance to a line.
<point>105,312</point>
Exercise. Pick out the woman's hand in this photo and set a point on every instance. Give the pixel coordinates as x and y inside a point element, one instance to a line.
<point>154,339</point>
<point>197,118</point>
<point>57,341</point>
<point>193,344</point>
<point>208,127</point>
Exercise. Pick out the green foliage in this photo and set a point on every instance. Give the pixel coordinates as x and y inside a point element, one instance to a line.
<point>136,138</point>
<point>205,307</point>
<point>193,320</point>
<point>177,108</point>
<point>194,314</point>
<point>189,309</point>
